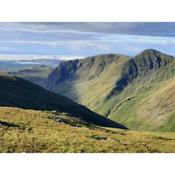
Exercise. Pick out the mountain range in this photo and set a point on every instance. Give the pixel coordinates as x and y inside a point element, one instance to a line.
<point>136,91</point>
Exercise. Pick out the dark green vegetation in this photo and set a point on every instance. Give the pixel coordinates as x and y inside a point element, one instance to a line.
<point>139,92</point>
<point>36,131</point>
<point>17,92</point>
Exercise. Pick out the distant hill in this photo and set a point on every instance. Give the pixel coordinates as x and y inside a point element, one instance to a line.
<point>16,65</point>
<point>136,91</point>
<point>36,74</point>
<point>17,92</point>
<point>34,70</point>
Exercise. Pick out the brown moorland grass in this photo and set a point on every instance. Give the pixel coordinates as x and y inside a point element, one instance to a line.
<point>37,131</point>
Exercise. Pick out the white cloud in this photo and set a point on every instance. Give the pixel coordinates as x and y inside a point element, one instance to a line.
<point>49,43</point>
<point>18,57</point>
<point>136,39</point>
<point>39,38</point>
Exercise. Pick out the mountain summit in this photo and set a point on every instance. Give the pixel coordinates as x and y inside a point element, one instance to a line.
<point>143,64</point>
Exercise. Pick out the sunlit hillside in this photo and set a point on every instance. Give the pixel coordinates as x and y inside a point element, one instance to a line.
<point>36,131</point>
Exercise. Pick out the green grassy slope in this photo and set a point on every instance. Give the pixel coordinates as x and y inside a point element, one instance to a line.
<point>87,81</point>
<point>36,131</point>
<point>138,91</point>
<point>147,101</point>
<point>17,92</point>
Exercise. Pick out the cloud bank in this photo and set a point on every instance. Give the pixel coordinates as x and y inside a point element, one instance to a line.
<point>85,39</point>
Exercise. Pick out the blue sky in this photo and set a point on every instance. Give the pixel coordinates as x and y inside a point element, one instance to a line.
<point>85,39</point>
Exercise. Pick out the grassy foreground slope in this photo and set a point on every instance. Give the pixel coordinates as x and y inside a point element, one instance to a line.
<point>36,131</point>
<point>17,92</point>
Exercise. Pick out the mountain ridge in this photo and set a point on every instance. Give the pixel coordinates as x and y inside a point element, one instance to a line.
<point>67,69</point>
<point>122,87</point>
<point>141,64</point>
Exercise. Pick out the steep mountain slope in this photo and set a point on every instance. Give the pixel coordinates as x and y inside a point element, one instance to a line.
<point>140,98</point>
<point>141,65</point>
<point>16,92</point>
<point>138,91</point>
<point>87,81</point>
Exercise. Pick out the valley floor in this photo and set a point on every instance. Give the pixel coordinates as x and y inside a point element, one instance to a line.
<point>36,131</point>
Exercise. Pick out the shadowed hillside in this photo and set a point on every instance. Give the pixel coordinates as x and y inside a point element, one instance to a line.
<point>16,92</point>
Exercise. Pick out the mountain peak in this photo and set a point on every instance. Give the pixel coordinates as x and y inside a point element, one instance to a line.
<point>151,59</point>
<point>146,62</point>
<point>149,52</point>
